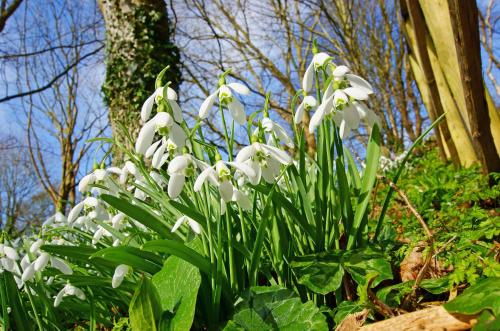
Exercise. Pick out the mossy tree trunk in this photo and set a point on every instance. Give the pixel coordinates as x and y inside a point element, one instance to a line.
<point>138,47</point>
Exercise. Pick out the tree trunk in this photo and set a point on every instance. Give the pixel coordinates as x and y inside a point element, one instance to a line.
<point>138,47</point>
<point>464,24</point>
<point>451,37</point>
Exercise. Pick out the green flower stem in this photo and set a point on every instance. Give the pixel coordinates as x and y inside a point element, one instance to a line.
<point>226,135</point>
<point>232,269</point>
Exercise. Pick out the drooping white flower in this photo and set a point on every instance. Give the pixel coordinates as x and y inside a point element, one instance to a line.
<point>308,103</point>
<point>167,94</point>
<point>353,85</point>
<point>120,272</point>
<point>220,176</point>
<point>164,124</point>
<point>10,253</point>
<point>36,246</point>
<point>60,265</point>
<point>225,96</point>
<point>318,61</point>
<point>28,273</point>
<point>68,290</point>
<point>275,133</point>
<point>41,262</point>
<point>195,226</point>
<point>179,168</point>
<point>265,160</point>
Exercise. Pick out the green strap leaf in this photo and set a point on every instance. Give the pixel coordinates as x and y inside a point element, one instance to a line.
<point>369,177</point>
<point>180,250</point>
<point>139,214</point>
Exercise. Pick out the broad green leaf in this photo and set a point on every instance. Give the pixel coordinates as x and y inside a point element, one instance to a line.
<point>364,261</point>
<point>144,308</point>
<point>275,308</point>
<point>177,285</point>
<point>481,296</point>
<point>321,273</point>
<point>345,308</point>
<point>180,250</point>
<point>131,256</point>
<point>139,214</point>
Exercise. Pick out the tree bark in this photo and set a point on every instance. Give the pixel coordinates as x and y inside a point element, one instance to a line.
<point>464,22</point>
<point>138,47</point>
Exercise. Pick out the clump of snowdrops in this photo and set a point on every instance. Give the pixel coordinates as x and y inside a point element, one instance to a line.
<point>184,218</point>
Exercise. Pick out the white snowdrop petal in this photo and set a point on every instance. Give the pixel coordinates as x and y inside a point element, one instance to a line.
<point>84,183</point>
<point>120,273</point>
<point>360,83</point>
<point>28,273</point>
<point>299,114</point>
<point>59,298</point>
<point>36,246</point>
<point>145,138</point>
<point>177,135</point>
<point>178,164</point>
<point>201,179</point>
<point>340,71</point>
<point>207,104</point>
<point>237,111</point>
<point>226,190</point>
<point>351,116</point>
<point>356,93</point>
<point>61,265</point>
<point>239,88</point>
<point>151,149</point>
<point>41,262</point>
<point>171,94</point>
<point>147,107</point>
<point>10,252</point>
<point>177,112</point>
<point>195,226</point>
<point>278,154</point>
<point>175,185</point>
<point>307,81</point>
<point>245,153</point>
<point>155,162</point>
<point>178,223</point>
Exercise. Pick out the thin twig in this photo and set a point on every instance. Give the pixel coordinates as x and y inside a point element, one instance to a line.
<point>430,241</point>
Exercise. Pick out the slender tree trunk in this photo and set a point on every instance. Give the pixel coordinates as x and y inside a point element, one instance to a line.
<point>138,47</point>
<point>464,22</point>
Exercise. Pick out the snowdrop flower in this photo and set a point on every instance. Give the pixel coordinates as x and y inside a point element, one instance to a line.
<point>96,176</point>
<point>225,96</point>
<point>324,108</point>
<point>242,199</point>
<point>179,168</point>
<point>195,226</point>
<point>275,133</point>
<point>164,124</point>
<point>308,103</point>
<point>9,252</point>
<point>68,290</point>
<point>319,60</point>
<point>162,94</point>
<point>352,85</point>
<point>220,175</point>
<point>120,272</point>
<point>265,160</point>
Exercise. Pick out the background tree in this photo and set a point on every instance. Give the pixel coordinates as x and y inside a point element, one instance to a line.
<point>268,44</point>
<point>22,203</point>
<point>58,120</point>
<point>445,43</point>
<point>138,47</point>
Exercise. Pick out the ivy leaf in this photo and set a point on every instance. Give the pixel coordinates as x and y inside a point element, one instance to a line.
<point>484,295</point>
<point>276,308</point>
<point>361,262</point>
<point>177,284</point>
<point>321,273</point>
